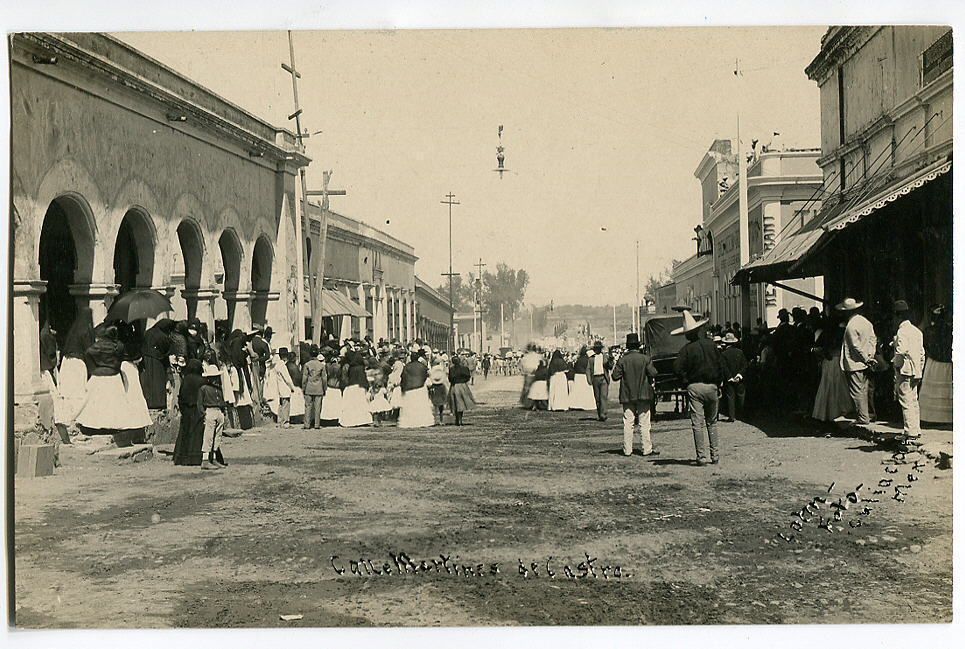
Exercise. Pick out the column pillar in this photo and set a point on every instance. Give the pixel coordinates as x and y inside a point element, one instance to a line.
<point>33,406</point>
<point>404,315</point>
<point>239,309</point>
<point>412,316</point>
<point>390,332</point>
<point>98,297</point>
<point>363,322</point>
<point>771,234</point>
<point>203,300</point>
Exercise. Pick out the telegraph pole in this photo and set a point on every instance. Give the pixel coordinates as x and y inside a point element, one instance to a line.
<point>636,307</point>
<point>301,205</point>
<point>477,306</point>
<point>452,324</point>
<point>744,225</point>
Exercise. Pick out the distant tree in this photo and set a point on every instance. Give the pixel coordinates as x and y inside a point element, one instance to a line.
<point>656,281</point>
<point>462,292</point>
<point>507,288</point>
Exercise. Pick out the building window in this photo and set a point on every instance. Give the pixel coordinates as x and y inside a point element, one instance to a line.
<point>936,59</point>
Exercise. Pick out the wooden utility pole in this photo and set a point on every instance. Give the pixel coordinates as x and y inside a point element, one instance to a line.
<point>300,204</point>
<point>477,303</point>
<point>452,324</point>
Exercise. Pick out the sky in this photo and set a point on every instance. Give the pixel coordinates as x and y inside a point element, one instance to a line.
<point>603,129</point>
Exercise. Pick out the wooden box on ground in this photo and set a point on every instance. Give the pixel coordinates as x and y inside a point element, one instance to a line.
<point>35,460</point>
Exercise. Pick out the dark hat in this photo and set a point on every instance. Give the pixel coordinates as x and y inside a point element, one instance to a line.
<point>313,350</point>
<point>633,340</point>
<point>598,345</point>
<point>283,351</point>
<point>901,306</point>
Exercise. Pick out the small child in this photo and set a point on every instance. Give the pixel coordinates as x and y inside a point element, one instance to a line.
<point>211,402</point>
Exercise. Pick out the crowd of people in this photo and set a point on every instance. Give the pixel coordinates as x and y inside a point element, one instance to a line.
<point>108,379</point>
<point>826,366</point>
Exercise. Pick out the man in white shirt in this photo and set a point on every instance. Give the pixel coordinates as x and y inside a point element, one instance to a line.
<point>857,356</point>
<point>909,363</point>
<point>597,369</point>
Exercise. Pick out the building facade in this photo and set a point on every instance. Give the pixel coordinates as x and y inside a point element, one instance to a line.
<point>782,186</point>
<point>126,174</point>
<point>885,230</point>
<point>371,269</point>
<point>432,315</point>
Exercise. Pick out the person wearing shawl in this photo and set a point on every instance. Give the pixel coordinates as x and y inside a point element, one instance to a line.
<point>154,378</point>
<point>72,378</point>
<point>559,397</point>
<point>355,402</point>
<point>48,351</point>
<point>104,410</point>
<point>460,396</point>
<point>527,366</point>
<point>416,409</point>
<point>279,387</point>
<point>187,448</point>
<point>238,355</point>
<point>49,357</point>
<point>539,392</point>
<point>936,396</point>
<point>581,394</point>
<point>332,402</point>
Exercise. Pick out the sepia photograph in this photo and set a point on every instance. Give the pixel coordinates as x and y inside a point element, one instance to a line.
<point>578,326</point>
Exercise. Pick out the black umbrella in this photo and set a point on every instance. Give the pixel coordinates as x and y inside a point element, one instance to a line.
<point>138,304</point>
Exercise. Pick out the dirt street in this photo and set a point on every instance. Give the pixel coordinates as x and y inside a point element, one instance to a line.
<point>149,544</point>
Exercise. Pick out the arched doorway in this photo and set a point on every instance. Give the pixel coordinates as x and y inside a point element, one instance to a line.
<point>65,257</point>
<point>191,243</point>
<point>134,252</point>
<point>230,247</point>
<point>261,261</point>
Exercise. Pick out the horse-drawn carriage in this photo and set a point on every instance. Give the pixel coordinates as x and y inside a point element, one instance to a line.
<point>663,349</point>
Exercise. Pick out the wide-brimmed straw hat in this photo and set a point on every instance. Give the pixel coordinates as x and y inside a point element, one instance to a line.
<point>211,370</point>
<point>730,339</point>
<point>680,308</point>
<point>849,304</point>
<point>690,324</point>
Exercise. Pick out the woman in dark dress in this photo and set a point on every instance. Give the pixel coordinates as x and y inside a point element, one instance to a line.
<point>154,376</point>
<point>460,396</point>
<point>187,448</point>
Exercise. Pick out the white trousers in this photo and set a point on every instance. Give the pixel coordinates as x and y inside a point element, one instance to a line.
<point>636,417</point>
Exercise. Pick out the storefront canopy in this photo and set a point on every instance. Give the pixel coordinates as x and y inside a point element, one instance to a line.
<point>786,259</point>
<point>338,304</point>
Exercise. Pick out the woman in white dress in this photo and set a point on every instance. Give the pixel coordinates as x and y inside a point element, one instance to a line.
<point>355,399</point>
<point>581,393</point>
<point>416,407</point>
<point>539,392</point>
<point>332,401</point>
<point>135,404</point>
<point>558,388</point>
<point>105,410</point>
<point>72,376</point>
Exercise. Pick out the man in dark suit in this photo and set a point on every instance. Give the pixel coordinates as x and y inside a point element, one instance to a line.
<point>314,385</point>
<point>597,373</point>
<point>636,372</point>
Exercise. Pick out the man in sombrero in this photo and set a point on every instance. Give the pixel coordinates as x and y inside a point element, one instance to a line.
<point>857,355</point>
<point>699,366</point>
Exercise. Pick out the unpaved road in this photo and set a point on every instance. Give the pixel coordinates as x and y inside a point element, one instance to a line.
<point>103,544</point>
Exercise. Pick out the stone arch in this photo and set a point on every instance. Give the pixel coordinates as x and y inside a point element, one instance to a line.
<point>68,180</point>
<point>229,276</point>
<point>193,252</point>
<point>135,246</point>
<point>262,256</point>
<point>65,257</point>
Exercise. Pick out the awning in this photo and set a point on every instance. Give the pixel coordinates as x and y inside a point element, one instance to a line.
<point>785,260</point>
<point>778,262</point>
<point>889,195</point>
<point>338,304</point>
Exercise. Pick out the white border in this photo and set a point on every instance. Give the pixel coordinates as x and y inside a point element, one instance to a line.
<point>130,15</point>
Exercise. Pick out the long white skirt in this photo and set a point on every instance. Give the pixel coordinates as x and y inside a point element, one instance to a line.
<point>395,398</point>
<point>832,399</point>
<point>355,407</point>
<point>936,393</point>
<point>539,391</point>
<point>559,392</point>
<point>331,405</point>
<point>72,386</point>
<point>581,394</point>
<point>416,409</point>
<point>297,406</point>
<point>136,403</point>
<point>107,405</point>
<point>379,404</point>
